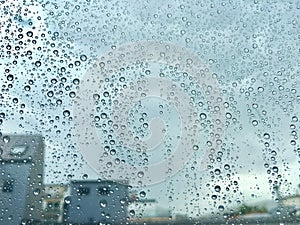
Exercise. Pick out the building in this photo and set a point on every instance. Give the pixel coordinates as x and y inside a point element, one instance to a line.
<point>293,202</point>
<point>52,205</point>
<point>96,201</point>
<point>21,178</point>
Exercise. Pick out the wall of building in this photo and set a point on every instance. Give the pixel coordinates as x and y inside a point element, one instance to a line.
<point>92,201</point>
<point>21,178</point>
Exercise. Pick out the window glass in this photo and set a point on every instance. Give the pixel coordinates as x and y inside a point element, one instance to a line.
<point>149,112</point>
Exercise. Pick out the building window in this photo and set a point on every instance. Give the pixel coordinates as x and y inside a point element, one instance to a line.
<point>83,191</point>
<point>18,150</point>
<point>104,190</point>
<point>8,186</point>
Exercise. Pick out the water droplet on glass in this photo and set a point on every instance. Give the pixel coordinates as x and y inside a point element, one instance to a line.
<point>226,167</point>
<point>203,116</point>
<point>36,191</point>
<point>221,208</point>
<point>6,139</point>
<point>66,113</point>
<point>76,81</point>
<point>132,212</point>
<point>217,188</point>
<point>27,88</point>
<point>10,77</point>
<point>67,200</point>
<point>50,94</point>
<point>103,203</point>
<point>254,122</point>
<point>38,63</point>
<point>140,174</point>
<point>103,115</point>
<point>72,94</point>
<point>142,194</point>
<point>83,58</point>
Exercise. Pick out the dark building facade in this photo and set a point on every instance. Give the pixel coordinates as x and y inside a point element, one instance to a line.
<point>21,178</point>
<point>96,202</point>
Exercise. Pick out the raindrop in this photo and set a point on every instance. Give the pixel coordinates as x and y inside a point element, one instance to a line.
<point>195,147</point>
<point>266,136</point>
<point>260,89</point>
<point>50,94</point>
<point>53,81</point>
<point>226,167</point>
<point>132,212</point>
<point>221,208</point>
<point>275,169</point>
<point>103,203</point>
<point>217,171</point>
<point>38,63</point>
<point>29,33</point>
<point>217,188</point>
<point>106,94</point>
<point>76,81</point>
<point>96,96</point>
<point>36,191</point>
<point>83,58</point>
<point>72,94</point>
<point>203,116</point>
<point>140,174</point>
<point>67,200</point>
<point>103,115</point>
<point>27,88</point>
<point>66,113</point>
<point>10,77</point>
<point>6,139</point>
<point>228,115</point>
<point>214,197</point>
<point>254,122</point>
<point>142,194</point>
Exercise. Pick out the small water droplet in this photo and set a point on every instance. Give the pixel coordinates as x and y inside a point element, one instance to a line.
<point>10,77</point>
<point>36,191</point>
<point>226,167</point>
<point>6,139</point>
<point>83,58</point>
<point>140,174</point>
<point>103,203</point>
<point>38,63</point>
<point>217,188</point>
<point>142,194</point>
<point>76,81</point>
<point>203,116</point>
<point>50,94</point>
<point>132,212</point>
<point>221,208</point>
<point>66,113</point>
<point>254,122</point>
<point>67,200</point>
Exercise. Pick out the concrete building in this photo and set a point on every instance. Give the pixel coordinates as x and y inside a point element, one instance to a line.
<point>96,202</point>
<point>293,202</point>
<point>52,205</point>
<point>21,178</point>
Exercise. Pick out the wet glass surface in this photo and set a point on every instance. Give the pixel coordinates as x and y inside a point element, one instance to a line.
<point>149,112</point>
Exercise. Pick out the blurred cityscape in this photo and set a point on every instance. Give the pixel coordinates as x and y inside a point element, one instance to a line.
<point>25,199</point>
